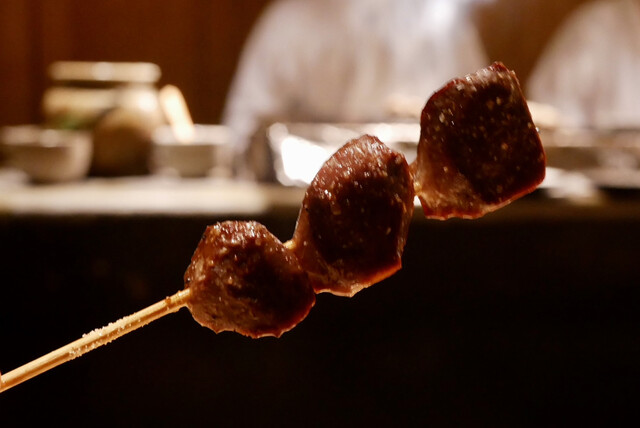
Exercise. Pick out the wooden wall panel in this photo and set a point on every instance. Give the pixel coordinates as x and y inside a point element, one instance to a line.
<point>195,42</point>
<point>16,40</point>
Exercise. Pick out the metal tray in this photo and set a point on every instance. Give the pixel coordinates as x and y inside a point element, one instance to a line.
<point>298,150</point>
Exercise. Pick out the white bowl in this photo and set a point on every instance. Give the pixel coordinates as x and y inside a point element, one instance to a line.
<point>210,153</point>
<point>47,155</point>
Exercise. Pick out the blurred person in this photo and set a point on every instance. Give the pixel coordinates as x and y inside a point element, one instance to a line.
<point>589,72</point>
<point>348,60</point>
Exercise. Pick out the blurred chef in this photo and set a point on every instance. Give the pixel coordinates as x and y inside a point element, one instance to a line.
<point>348,60</point>
<point>590,70</point>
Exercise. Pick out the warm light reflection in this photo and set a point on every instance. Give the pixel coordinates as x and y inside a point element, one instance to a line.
<point>302,159</point>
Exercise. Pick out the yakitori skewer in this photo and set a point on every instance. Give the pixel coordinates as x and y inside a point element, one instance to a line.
<point>241,278</point>
<point>478,151</point>
<point>93,340</point>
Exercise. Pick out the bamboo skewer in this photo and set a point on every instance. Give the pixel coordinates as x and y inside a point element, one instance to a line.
<point>94,339</point>
<point>98,337</point>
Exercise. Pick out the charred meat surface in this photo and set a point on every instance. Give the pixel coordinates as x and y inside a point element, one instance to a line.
<point>479,148</point>
<point>355,217</point>
<point>243,279</point>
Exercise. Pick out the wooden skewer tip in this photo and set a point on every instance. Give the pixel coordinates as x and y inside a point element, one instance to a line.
<point>94,339</point>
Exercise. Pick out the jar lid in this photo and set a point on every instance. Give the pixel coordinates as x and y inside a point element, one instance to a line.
<point>131,72</point>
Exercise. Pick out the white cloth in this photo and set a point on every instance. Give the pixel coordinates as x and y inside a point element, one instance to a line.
<point>590,71</point>
<point>344,60</point>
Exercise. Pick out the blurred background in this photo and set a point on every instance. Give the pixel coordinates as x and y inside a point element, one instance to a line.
<point>197,44</point>
<point>234,67</point>
<point>128,126</point>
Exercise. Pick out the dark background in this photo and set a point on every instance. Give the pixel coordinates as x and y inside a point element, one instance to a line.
<point>511,320</point>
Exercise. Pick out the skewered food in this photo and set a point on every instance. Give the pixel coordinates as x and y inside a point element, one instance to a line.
<point>355,217</point>
<point>478,151</point>
<point>243,279</point>
<point>478,148</point>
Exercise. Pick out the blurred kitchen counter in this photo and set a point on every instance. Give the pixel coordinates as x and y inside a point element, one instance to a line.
<point>165,196</point>
<point>145,195</point>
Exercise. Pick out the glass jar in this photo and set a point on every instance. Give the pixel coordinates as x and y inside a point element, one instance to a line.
<point>116,101</point>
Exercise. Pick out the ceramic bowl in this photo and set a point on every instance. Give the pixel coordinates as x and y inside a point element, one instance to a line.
<point>47,155</point>
<point>209,153</point>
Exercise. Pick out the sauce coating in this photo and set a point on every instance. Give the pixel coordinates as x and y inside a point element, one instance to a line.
<point>243,279</point>
<point>355,217</point>
<point>479,148</point>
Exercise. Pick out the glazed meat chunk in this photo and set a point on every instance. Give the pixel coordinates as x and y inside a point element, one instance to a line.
<point>479,148</point>
<point>355,217</point>
<point>243,279</point>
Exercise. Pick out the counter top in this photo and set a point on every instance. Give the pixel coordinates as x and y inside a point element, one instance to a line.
<point>145,195</point>
<point>564,197</point>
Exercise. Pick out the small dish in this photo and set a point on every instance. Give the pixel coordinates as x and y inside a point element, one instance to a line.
<point>47,155</point>
<point>210,153</point>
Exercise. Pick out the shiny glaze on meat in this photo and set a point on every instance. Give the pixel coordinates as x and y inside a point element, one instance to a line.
<point>355,217</point>
<point>243,279</point>
<point>479,148</point>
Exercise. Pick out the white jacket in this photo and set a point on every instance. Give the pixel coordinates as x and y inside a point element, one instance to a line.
<point>591,69</point>
<point>345,60</point>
